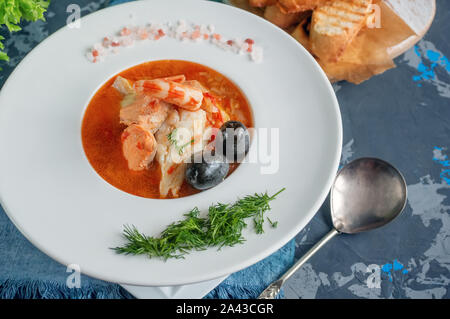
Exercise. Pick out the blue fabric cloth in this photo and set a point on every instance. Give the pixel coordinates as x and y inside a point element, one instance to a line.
<point>26,272</point>
<point>251,281</point>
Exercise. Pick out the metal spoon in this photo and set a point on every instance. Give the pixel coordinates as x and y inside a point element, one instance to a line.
<point>367,193</point>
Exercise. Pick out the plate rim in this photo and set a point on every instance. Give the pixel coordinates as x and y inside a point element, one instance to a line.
<point>256,257</point>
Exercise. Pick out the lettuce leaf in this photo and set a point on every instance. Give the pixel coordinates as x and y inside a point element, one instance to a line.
<point>12,12</point>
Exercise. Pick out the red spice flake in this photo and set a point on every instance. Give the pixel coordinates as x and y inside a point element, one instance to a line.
<point>115,44</point>
<point>217,36</point>
<point>124,136</point>
<point>161,32</point>
<point>140,146</point>
<point>157,37</point>
<point>210,96</point>
<point>95,53</point>
<point>205,36</point>
<point>230,42</point>
<point>125,31</point>
<point>249,41</point>
<point>217,117</point>
<point>171,169</point>
<point>152,105</point>
<point>250,48</point>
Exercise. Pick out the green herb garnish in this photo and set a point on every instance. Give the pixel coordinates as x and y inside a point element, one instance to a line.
<point>273,224</point>
<point>222,227</point>
<point>13,11</point>
<point>173,140</point>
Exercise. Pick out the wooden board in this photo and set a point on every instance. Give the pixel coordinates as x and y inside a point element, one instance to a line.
<point>419,15</point>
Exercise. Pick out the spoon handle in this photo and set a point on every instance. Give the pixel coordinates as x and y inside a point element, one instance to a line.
<point>274,288</point>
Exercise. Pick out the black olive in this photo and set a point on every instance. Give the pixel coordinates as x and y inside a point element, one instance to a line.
<point>206,172</point>
<point>233,141</point>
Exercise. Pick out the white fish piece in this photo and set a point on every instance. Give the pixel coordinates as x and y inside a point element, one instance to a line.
<point>178,138</point>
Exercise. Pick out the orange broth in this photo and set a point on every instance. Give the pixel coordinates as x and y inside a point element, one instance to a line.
<point>101,129</point>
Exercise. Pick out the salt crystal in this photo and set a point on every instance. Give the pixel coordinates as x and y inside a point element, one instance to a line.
<point>203,29</point>
<point>127,41</point>
<point>98,46</point>
<point>89,56</point>
<point>181,31</point>
<point>257,54</point>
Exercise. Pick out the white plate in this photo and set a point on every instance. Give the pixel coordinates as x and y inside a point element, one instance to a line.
<point>55,198</point>
<point>192,291</point>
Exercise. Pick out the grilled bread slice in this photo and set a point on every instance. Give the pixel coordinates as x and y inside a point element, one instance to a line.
<point>261,3</point>
<point>291,6</point>
<point>334,25</point>
<point>283,20</point>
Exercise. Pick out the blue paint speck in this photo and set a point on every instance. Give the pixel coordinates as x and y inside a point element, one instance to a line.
<point>433,56</point>
<point>386,268</point>
<point>395,266</point>
<point>416,50</point>
<point>427,68</point>
<point>445,174</point>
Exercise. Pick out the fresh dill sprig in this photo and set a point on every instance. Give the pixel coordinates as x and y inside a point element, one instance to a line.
<point>172,139</point>
<point>223,226</point>
<point>273,224</point>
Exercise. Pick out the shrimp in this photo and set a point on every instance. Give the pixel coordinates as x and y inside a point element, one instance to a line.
<point>176,78</point>
<point>184,96</point>
<point>123,85</point>
<point>138,146</point>
<point>195,84</point>
<point>215,114</point>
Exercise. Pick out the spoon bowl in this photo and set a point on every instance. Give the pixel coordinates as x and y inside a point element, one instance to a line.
<point>367,193</point>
